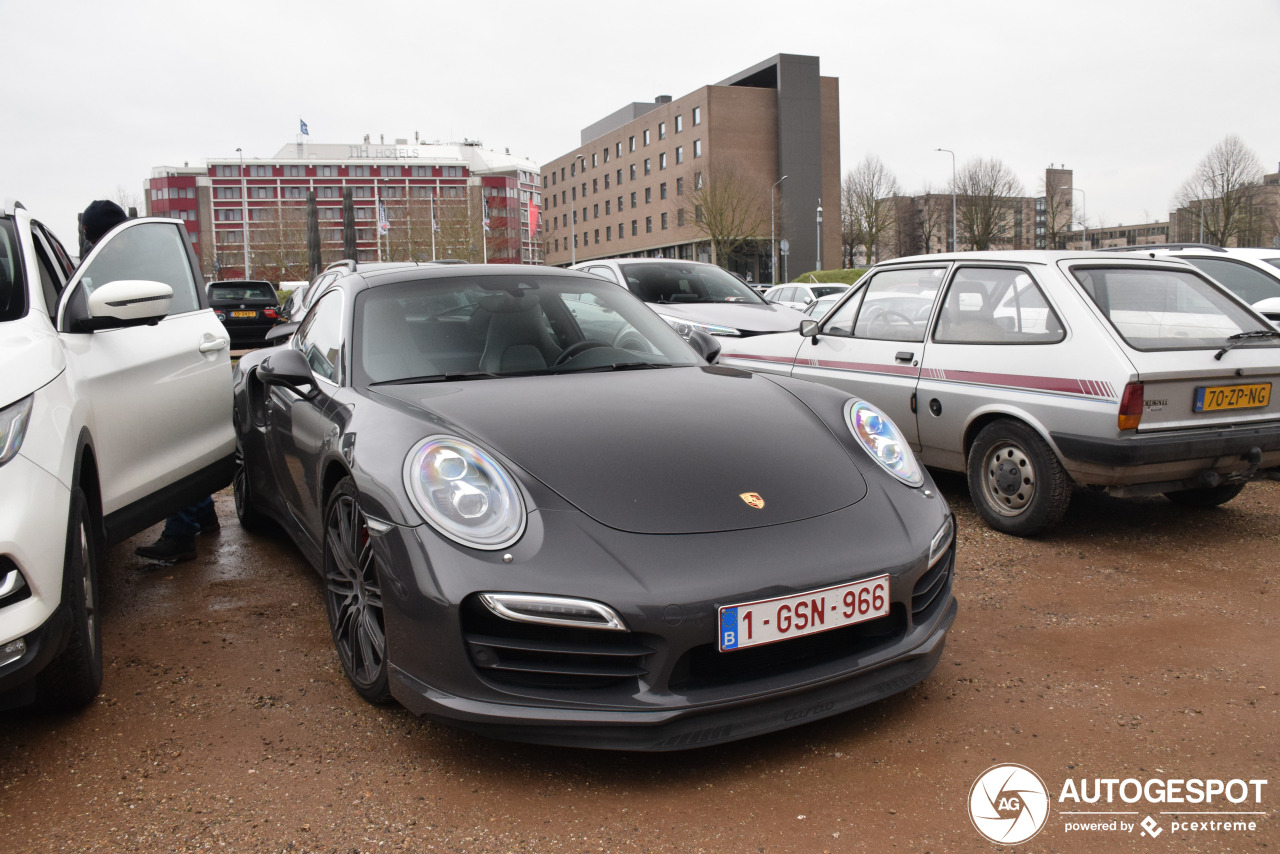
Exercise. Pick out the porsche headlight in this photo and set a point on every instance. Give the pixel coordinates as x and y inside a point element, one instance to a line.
<point>464,493</point>
<point>13,428</point>
<point>875,432</point>
<point>684,327</point>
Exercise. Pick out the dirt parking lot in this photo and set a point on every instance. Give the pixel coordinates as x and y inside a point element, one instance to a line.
<point>1139,640</point>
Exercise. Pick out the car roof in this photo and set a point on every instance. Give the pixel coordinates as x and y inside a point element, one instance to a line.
<point>389,274</point>
<point>621,260</point>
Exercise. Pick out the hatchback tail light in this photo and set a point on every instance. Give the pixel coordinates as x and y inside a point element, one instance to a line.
<point>270,313</point>
<point>1130,407</point>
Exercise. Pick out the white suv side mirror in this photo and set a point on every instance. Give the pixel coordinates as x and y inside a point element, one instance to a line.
<point>130,301</point>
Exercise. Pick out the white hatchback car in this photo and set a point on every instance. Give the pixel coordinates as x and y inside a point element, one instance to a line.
<point>799,296</point>
<point>691,295</point>
<point>1031,371</point>
<point>115,410</point>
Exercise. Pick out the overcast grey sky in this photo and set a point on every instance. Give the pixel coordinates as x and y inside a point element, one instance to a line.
<point>1130,94</point>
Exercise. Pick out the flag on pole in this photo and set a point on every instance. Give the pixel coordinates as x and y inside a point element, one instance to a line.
<point>533,218</point>
<point>384,224</point>
<point>435,223</point>
<point>302,128</point>
<point>486,216</point>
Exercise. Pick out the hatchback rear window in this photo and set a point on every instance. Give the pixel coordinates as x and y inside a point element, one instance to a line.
<point>13,290</point>
<point>239,291</point>
<point>1160,309</point>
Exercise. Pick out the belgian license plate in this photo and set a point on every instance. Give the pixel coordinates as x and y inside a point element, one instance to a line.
<point>771,620</point>
<point>244,314</point>
<point>1214,397</point>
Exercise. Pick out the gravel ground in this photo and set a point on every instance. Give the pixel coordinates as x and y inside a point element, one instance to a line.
<point>1138,640</point>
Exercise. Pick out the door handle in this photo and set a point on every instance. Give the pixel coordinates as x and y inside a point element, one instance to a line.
<point>903,356</point>
<point>209,345</point>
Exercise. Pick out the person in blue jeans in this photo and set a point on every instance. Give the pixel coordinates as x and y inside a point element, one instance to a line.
<point>177,542</point>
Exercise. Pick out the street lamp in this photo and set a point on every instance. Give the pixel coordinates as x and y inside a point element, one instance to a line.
<point>573,218</point>
<point>244,214</point>
<point>773,243</point>
<point>953,196</point>
<point>1084,226</point>
<point>819,264</point>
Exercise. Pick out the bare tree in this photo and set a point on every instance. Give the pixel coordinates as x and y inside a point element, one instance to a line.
<point>130,200</point>
<point>730,205</point>
<point>279,243</point>
<point>868,190</point>
<point>934,218</point>
<point>1223,190</point>
<point>986,195</point>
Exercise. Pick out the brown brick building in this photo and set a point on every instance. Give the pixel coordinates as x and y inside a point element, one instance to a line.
<point>647,175</point>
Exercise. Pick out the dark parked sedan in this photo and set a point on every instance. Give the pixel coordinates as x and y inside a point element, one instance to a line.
<point>557,531</point>
<point>248,309</point>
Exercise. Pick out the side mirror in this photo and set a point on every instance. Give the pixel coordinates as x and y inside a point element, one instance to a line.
<point>126,302</point>
<point>708,346</point>
<point>808,300</point>
<point>280,332</point>
<point>809,328</point>
<point>286,368</point>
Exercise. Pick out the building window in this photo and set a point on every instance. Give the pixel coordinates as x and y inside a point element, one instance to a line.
<point>618,149</point>
<point>680,217</point>
<point>390,171</point>
<point>697,213</point>
<point>262,171</point>
<point>595,211</point>
<point>648,225</point>
<point>662,161</point>
<point>697,181</point>
<point>646,136</point>
<point>606,154</point>
<point>662,130</point>
<point>697,116</point>
<point>608,233</point>
<point>633,200</point>
<point>679,153</point>
<point>633,171</point>
<point>648,195</point>
<point>597,235</point>
<point>227,171</point>
<point>697,148</point>
<point>647,170</point>
<point>573,193</point>
<point>595,185</point>
<point>296,171</point>
<point>326,171</point>
<point>662,190</point>
<point>606,182</point>
<point>619,204</point>
<point>357,171</point>
<point>606,209</point>
<point>262,192</point>
<point>595,159</point>
<point>679,186</point>
<point>635,228</point>
<point>679,123</point>
<point>664,222</point>
<point>631,141</point>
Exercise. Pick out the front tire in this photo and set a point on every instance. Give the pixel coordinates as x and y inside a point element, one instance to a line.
<point>353,594</point>
<point>74,677</point>
<point>1016,482</point>
<point>1207,496</point>
<point>248,513</point>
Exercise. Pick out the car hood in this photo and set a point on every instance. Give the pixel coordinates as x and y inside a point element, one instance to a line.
<point>29,359</point>
<point>664,451</point>
<point>748,317</point>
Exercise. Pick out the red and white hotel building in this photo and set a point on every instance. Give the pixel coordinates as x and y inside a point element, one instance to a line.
<point>434,194</point>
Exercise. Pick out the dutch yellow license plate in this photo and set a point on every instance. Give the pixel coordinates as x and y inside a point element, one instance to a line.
<point>1215,397</point>
<point>244,314</point>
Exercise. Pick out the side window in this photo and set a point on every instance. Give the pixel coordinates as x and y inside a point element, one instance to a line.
<point>896,304</point>
<point>996,306</point>
<point>154,251</point>
<point>320,337</point>
<point>13,287</point>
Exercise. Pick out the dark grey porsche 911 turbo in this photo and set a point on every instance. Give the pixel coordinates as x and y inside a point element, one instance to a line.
<point>542,514</point>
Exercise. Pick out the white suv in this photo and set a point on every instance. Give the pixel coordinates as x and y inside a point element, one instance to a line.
<point>1251,274</point>
<point>115,410</point>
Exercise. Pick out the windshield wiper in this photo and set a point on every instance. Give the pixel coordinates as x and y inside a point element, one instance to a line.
<point>439,378</point>
<point>621,366</point>
<point>1241,337</point>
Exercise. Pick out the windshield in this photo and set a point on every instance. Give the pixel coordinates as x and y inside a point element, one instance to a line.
<point>820,291</point>
<point>474,327</point>
<point>1160,309</point>
<point>686,282</point>
<point>1251,284</point>
<point>13,290</point>
<point>241,290</point>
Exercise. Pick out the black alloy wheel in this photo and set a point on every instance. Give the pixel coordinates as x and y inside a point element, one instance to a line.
<point>353,594</point>
<point>73,678</point>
